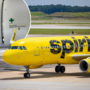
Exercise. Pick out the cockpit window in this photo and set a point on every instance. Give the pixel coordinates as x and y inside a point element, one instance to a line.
<point>9,47</point>
<point>20,47</point>
<point>14,47</point>
<point>24,48</point>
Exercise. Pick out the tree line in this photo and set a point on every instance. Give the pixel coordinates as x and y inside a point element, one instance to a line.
<point>48,9</point>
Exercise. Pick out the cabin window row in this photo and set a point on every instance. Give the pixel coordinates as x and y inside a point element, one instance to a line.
<point>64,46</point>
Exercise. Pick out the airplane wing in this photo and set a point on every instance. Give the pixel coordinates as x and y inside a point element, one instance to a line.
<point>79,57</point>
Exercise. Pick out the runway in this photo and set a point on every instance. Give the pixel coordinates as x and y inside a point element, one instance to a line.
<point>44,78</point>
<point>61,21</point>
<point>50,35</point>
<point>58,27</point>
<point>40,85</point>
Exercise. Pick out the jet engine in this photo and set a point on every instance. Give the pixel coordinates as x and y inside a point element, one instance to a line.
<point>85,65</point>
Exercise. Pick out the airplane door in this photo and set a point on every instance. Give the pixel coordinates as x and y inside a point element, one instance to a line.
<point>36,49</point>
<point>85,47</point>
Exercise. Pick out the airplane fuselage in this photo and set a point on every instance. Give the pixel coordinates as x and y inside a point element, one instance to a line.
<point>49,50</point>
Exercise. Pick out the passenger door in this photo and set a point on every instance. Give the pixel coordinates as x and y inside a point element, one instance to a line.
<point>36,48</point>
<point>85,48</point>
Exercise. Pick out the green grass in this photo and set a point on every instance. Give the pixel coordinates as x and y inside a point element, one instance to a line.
<point>59,23</point>
<point>38,14</point>
<point>68,15</point>
<point>59,31</point>
<point>72,14</point>
<point>82,14</point>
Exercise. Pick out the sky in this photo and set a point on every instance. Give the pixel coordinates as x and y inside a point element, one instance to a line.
<point>63,2</point>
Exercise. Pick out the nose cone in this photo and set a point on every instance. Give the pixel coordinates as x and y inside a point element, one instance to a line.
<point>7,57</point>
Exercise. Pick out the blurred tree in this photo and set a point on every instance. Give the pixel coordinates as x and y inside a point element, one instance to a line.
<point>48,9</point>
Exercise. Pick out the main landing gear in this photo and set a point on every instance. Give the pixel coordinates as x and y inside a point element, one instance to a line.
<point>27,75</point>
<point>59,69</point>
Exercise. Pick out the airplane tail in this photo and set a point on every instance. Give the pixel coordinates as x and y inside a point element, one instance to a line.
<point>13,14</point>
<point>13,37</point>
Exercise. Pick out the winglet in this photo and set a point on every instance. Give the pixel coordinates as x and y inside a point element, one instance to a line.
<point>13,37</point>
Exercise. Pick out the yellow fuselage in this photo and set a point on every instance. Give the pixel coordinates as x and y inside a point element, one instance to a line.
<point>48,50</point>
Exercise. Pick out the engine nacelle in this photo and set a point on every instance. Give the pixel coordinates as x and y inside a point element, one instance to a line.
<point>84,65</point>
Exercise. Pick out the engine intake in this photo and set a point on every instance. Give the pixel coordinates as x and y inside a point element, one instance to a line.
<point>84,65</point>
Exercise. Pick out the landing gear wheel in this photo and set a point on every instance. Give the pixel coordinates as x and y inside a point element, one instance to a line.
<point>62,69</point>
<point>57,69</point>
<point>27,75</point>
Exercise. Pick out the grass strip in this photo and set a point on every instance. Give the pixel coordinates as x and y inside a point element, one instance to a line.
<point>59,31</point>
<point>59,23</point>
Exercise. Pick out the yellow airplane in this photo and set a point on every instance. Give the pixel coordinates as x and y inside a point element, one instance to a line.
<point>33,53</point>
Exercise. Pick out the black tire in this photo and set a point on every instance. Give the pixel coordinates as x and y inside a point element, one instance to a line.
<point>27,75</point>
<point>62,69</point>
<point>57,69</point>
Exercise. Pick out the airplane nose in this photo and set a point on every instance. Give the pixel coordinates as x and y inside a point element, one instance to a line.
<point>7,57</point>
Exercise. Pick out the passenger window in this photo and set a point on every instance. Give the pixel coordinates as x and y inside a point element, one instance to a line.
<point>55,46</point>
<point>9,47</point>
<point>64,46</point>
<point>41,47</point>
<point>14,47</point>
<point>51,47</point>
<point>24,48</point>
<point>48,47</point>
<point>20,48</point>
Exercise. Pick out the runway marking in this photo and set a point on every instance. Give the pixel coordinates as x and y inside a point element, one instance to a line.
<point>58,27</point>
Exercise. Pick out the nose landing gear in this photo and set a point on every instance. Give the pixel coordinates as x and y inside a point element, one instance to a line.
<point>59,69</point>
<point>27,75</point>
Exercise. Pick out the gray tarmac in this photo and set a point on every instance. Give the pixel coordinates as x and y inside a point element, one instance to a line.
<point>51,35</point>
<point>44,78</point>
<point>58,27</point>
<point>40,85</point>
<point>61,21</point>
